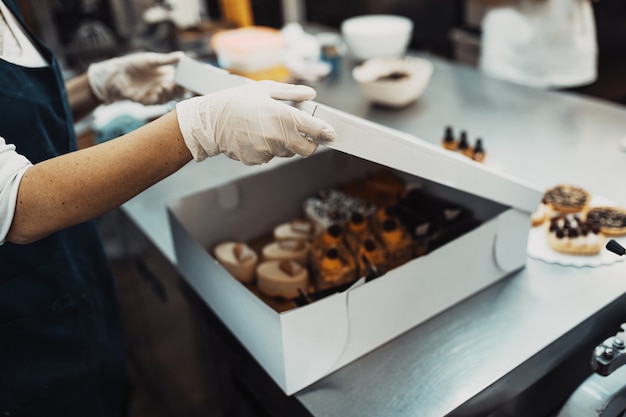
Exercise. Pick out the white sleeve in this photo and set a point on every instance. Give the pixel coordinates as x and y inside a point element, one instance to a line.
<point>12,168</point>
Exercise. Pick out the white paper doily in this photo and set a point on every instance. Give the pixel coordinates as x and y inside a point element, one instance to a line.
<point>538,247</point>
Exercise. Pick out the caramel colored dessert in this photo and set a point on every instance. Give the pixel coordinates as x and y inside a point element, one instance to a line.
<point>334,268</point>
<point>358,230</point>
<point>284,279</point>
<point>380,188</point>
<point>363,229</point>
<point>294,249</point>
<point>238,259</point>
<point>372,258</point>
<point>295,229</point>
<point>398,244</point>
<point>330,238</point>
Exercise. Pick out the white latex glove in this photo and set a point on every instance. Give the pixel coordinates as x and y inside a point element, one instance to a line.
<point>248,124</point>
<point>144,77</point>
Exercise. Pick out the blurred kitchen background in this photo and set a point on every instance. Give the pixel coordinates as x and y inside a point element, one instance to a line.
<point>81,31</point>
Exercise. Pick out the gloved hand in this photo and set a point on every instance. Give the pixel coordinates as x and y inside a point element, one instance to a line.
<point>144,77</point>
<point>248,124</point>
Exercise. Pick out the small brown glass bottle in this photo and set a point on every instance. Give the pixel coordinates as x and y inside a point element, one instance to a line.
<point>448,140</point>
<point>464,146</point>
<point>479,151</point>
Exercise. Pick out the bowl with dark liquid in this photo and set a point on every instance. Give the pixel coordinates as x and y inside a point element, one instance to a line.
<point>393,81</point>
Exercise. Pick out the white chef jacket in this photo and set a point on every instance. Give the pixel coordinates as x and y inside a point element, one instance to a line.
<point>17,49</point>
<point>544,44</point>
<point>12,168</point>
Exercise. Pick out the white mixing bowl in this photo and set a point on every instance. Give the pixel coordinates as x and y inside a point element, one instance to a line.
<point>377,35</point>
<point>393,81</point>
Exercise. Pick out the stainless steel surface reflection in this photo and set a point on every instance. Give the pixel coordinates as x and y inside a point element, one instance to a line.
<point>541,136</point>
<point>482,354</point>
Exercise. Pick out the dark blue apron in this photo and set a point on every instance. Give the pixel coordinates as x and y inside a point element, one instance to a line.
<point>61,338</point>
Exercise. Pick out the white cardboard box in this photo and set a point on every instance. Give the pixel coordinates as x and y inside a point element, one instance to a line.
<point>302,345</point>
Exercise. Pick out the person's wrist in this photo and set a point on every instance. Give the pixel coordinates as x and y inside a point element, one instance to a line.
<point>95,74</point>
<point>192,122</point>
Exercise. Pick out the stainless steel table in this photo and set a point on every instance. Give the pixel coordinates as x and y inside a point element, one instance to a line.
<point>491,349</point>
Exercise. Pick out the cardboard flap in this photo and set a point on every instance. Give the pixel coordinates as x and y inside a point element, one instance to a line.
<point>511,239</point>
<point>322,330</point>
<point>228,196</point>
<point>395,302</point>
<point>202,78</point>
<point>393,148</point>
<point>218,289</point>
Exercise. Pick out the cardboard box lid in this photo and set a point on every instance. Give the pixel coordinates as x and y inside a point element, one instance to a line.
<point>386,146</point>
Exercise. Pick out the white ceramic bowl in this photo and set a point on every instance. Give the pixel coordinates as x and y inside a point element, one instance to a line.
<point>377,35</point>
<point>393,81</point>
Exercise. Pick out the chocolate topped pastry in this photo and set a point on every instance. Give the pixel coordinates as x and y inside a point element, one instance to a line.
<point>610,220</point>
<point>372,258</point>
<point>567,198</point>
<point>333,235</point>
<point>333,269</point>
<point>397,242</point>
<point>332,206</point>
<point>358,230</point>
<point>357,223</point>
<point>568,233</point>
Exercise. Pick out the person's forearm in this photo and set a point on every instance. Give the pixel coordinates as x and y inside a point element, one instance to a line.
<point>82,99</point>
<point>85,184</point>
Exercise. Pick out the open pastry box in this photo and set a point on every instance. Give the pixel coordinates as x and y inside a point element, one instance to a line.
<point>302,344</point>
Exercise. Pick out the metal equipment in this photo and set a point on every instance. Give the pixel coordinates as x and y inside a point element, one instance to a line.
<point>603,394</point>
